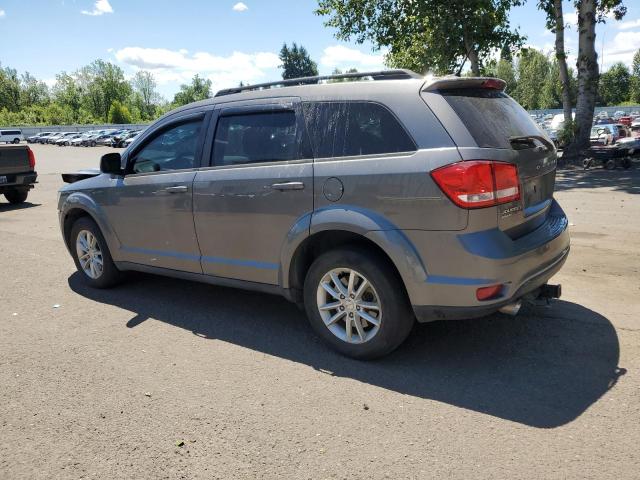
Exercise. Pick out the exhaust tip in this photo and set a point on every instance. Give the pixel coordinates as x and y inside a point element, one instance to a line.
<point>512,309</point>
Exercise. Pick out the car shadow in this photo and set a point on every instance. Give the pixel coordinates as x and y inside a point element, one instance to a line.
<point>8,207</point>
<point>572,178</point>
<point>542,369</point>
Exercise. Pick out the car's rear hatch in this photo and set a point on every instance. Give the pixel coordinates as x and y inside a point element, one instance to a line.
<point>487,124</point>
<point>14,159</point>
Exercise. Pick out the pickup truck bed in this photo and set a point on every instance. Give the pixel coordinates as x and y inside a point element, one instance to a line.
<point>17,172</point>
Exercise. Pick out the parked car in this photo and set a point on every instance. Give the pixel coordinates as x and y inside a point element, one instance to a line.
<point>45,138</point>
<point>372,203</point>
<point>119,140</point>
<point>11,135</point>
<point>65,140</point>
<point>625,120</point>
<point>618,114</point>
<point>53,138</point>
<point>603,121</point>
<point>77,141</point>
<point>131,139</point>
<point>37,136</point>
<point>604,134</point>
<point>17,172</point>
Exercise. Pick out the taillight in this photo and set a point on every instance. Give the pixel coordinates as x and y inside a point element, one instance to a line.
<point>488,293</point>
<point>479,183</point>
<point>32,159</point>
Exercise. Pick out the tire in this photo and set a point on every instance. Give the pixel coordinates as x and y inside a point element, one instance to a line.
<point>384,289</point>
<point>610,164</point>
<point>16,141</point>
<point>626,163</point>
<point>93,144</point>
<point>16,196</point>
<point>109,276</point>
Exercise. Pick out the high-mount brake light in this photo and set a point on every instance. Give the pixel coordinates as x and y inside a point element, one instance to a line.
<point>479,183</point>
<point>494,84</point>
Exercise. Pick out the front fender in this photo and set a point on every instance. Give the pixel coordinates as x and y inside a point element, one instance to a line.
<point>366,223</point>
<point>84,202</point>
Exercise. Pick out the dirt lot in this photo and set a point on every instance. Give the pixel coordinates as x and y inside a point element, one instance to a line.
<point>107,384</point>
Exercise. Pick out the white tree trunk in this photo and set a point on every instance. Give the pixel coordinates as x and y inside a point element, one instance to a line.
<point>587,72</point>
<point>562,61</point>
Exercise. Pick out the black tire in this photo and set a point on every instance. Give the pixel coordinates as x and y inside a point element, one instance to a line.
<point>93,144</point>
<point>17,196</point>
<point>110,276</point>
<point>16,140</point>
<point>610,164</point>
<point>397,320</point>
<point>626,163</point>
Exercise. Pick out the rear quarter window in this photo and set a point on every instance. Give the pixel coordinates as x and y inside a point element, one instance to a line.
<point>342,129</point>
<point>490,116</point>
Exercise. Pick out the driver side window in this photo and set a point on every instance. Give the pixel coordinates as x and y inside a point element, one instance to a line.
<point>173,149</point>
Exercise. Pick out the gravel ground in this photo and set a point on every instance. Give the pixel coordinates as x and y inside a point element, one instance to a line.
<point>161,378</point>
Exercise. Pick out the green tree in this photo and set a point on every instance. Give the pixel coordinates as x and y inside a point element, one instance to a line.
<point>552,95</point>
<point>296,62</point>
<point>198,89</point>
<point>634,87</point>
<point>32,91</point>
<point>505,70</point>
<point>436,35</point>
<point>9,89</point>
<point>533,69</point>
<point>614,85</point>
<point>119,113</point>
<point>145,95</point>
<point>67,92</point>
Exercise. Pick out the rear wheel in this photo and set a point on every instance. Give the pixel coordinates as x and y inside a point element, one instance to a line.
<point>16,140</point>
<point>16,196</point>
<point>356,303</point>
<point>610,164</point>
<point>91,255</point>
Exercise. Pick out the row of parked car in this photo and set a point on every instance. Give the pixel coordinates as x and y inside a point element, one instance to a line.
<point>108,137</point>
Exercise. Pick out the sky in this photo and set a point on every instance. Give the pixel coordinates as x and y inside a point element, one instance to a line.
<point>226,41</point>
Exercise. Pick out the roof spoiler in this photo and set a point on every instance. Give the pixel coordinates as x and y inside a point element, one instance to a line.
<point>442,83</point>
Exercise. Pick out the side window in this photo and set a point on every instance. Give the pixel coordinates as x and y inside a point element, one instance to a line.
<point>342,129</point>
<point>256,137</point>
<point>173,149</point>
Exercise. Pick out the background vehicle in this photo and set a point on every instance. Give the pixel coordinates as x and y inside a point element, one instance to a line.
<point>130,139</point>
<point>11,136</point>
<point>64,138</point>
<point>371,203</point>
<point>17,172</point>
<point>37,136</point>
<point>604,134</point>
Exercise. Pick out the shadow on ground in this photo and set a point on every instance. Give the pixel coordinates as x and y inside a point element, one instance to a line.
<point>542,369</point>
<point>571,178</point>
<point>7,207</point>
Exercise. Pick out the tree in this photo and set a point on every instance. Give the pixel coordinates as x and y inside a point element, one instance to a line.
<point>555,23</point>
<point>9,89</point>
<point>634,93</point>
<point>552,95</point>
<point>119,113</point>
<point>67,92</point>
<point>590,12</point>
<point>505,70</point>
<point>32,91</point>
<point>198,89</point>
<point>145,96</point>
<point>533,69</point>
<point>614,85</point>
<point>436,35</point>
<point>296,62</point>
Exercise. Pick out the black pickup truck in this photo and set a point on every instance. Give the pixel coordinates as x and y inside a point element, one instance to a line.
<point>17,172</point>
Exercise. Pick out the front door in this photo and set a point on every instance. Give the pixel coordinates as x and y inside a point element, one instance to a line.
<point>151,208</point>
<point>259,185</point>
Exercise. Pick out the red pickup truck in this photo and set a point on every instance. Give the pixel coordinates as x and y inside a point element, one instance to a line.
<point>17,172</point>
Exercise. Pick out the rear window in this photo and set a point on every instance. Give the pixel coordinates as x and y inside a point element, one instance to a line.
<point>342,129</point>
<point>491,116</point>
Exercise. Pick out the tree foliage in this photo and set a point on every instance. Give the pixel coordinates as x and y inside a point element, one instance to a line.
<point>427,35</point>
<point>533,69</point>
<point>119,113</point>
<point>614,86</point>
<point>198,89</point>
<point>296,62</point>
<point>634,86</point>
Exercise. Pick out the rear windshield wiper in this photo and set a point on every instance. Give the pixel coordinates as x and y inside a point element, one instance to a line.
<point>530,141</point>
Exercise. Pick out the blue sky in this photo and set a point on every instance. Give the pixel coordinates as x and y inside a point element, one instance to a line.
<point>226,41</point>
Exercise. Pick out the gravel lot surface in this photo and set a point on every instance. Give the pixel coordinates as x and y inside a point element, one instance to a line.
<point>161,378</point>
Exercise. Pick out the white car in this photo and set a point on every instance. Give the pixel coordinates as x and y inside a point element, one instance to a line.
<point>11,136</point>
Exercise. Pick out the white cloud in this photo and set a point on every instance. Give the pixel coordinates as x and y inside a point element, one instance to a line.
<point>570,19</point>
<point>339,56</point>
<point>240,7</point>
<point>2,13</point>
<point>169,66</point>
<point>100,8</point>
<point>629,24</point>
<point>621,49</point>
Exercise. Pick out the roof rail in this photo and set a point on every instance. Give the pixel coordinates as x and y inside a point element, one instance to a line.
<point>399,74</point>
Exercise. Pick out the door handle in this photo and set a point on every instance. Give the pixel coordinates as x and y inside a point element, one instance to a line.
<point>177,189</point>
<point>288,186</point>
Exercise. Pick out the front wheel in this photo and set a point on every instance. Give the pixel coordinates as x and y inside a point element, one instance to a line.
<point>91,255</point>
<point>356,302</point>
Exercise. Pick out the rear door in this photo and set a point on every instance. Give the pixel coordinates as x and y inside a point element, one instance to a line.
<point>259,185</point>
<point>487,124</point>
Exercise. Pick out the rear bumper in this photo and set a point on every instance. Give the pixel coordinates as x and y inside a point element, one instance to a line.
<point>457,264</point>
<point>18,180</point>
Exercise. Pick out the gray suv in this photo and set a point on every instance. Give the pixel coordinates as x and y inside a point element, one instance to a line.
<point>372,203</point>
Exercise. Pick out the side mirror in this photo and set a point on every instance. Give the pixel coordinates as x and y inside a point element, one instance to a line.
<point>600,132</point>
<point>111,163</point>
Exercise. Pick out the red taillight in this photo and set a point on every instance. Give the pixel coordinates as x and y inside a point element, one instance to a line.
<point>489,293</point>
<point>494,83</point>
<point>479,183</point>
<point>32,159</point>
